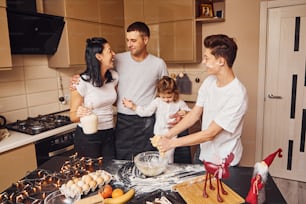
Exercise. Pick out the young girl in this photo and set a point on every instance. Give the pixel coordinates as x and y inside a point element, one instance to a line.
<point>164,105</point>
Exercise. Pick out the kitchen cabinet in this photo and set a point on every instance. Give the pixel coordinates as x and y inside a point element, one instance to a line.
<point>15,164</point>
<point>84,21</point>
<point>101,11</point>
<point>76,9</point>
<point>176,26</point>
<point>133,11</point>
<point>175,35</point>
<point>176,45</point>
<point>5,50</point>
<point>159,11</point>
<point>111,12</point>
<point>71,48</point>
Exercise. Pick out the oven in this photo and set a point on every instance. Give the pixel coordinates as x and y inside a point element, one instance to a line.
<point>61,144</point>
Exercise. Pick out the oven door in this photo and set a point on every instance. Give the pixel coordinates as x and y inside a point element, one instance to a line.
<point>58,145</point>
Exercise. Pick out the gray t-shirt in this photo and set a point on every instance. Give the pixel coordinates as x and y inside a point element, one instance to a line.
<point>138,79</point>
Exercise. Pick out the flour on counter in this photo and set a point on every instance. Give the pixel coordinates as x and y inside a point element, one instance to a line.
<point>174,174</point>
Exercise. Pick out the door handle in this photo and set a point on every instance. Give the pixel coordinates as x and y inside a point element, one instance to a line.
<point>274,97</point>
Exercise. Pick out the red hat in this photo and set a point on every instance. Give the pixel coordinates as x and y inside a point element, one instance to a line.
<point>269,159</point>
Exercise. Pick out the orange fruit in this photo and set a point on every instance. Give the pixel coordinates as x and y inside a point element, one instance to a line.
<point>107,191</point>
<point>117,192</point>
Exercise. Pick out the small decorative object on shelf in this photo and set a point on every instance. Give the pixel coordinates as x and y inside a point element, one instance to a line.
<point>257,193</point>
<point>207,10</point>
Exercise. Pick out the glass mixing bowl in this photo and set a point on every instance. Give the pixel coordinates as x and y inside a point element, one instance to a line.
<point>151,163</point>
<point>58,198</point>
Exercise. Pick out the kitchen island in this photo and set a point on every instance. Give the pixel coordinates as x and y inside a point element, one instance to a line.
<point>239,180</point>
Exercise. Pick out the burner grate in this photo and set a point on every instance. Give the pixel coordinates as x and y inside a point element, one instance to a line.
<point>39,124</point>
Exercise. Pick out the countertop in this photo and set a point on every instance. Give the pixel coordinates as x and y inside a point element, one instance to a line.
<point>239,181</point>
<point>17,139</point>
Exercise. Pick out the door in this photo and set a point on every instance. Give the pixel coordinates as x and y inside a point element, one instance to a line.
<point>285,91</point>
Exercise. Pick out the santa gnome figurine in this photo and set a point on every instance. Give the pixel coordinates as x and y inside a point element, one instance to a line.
<point>257,193</point>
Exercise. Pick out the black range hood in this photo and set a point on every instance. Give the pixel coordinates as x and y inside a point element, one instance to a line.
<point>33,33</point>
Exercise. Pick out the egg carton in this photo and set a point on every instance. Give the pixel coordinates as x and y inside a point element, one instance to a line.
<point>83,185</point>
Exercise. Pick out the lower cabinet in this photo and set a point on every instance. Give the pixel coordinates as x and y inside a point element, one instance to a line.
<point>15,164</point>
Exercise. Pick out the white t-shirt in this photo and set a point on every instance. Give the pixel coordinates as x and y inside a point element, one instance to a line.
<point>162,112</point>
<point>101,99</point>
<point>138,79</point>
<point>226,106</point>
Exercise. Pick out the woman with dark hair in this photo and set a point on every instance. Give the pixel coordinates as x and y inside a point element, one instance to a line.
<point>95,94</point>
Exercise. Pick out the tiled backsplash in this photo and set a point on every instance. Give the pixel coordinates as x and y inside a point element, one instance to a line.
<point>32,88</point>
<point>193,71</point>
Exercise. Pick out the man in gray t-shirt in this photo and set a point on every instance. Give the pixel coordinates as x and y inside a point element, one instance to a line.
<point>139,72</point>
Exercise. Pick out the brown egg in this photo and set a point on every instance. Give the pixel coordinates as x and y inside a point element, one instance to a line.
<point>78,189</point>
<point>106,177</point>
<point>86,178</point>
<point>92,184</point>
<point>99,180</point>
<point>85,187</point>
<point>69,183</point>
<point>75,179</point>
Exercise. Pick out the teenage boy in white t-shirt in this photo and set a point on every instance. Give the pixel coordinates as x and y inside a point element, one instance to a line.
<point>222,103</point>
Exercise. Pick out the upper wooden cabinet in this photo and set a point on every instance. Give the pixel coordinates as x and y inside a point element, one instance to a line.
<point>159,11</point>
<point>178,46</point>
<point>2,3</point>
<point>102,11</point>
<point>77,9</point>
<point>111,12</point>
<point>133,11</point>
<point>5,49</point>
<point>176,26</point>
<point>85,19</point>
<point>71,49</point>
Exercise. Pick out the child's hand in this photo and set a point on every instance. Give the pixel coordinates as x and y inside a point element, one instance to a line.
<point>182,113</point>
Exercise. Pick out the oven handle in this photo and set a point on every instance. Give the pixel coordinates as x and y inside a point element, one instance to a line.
<point>60,151</point>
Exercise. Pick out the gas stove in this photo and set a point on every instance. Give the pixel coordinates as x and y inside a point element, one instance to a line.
<point>39,124</point>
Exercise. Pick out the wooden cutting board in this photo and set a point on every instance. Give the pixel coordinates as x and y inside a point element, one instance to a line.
<point>192,192</point>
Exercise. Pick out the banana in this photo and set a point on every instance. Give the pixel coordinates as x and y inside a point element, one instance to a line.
<point>121,199</point>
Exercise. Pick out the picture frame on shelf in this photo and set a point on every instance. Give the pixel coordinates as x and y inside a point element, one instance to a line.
<point>207,10</point>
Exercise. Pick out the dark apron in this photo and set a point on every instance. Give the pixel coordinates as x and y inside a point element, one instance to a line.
<point>95,145</point>
<point>132,135</point>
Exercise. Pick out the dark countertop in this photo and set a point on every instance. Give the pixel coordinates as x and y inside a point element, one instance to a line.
<point>239,181</point>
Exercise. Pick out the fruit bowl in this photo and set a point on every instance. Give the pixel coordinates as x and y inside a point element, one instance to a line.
<point>150,163</point>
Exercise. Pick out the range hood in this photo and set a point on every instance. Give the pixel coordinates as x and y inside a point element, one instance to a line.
<point>32,32</point>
